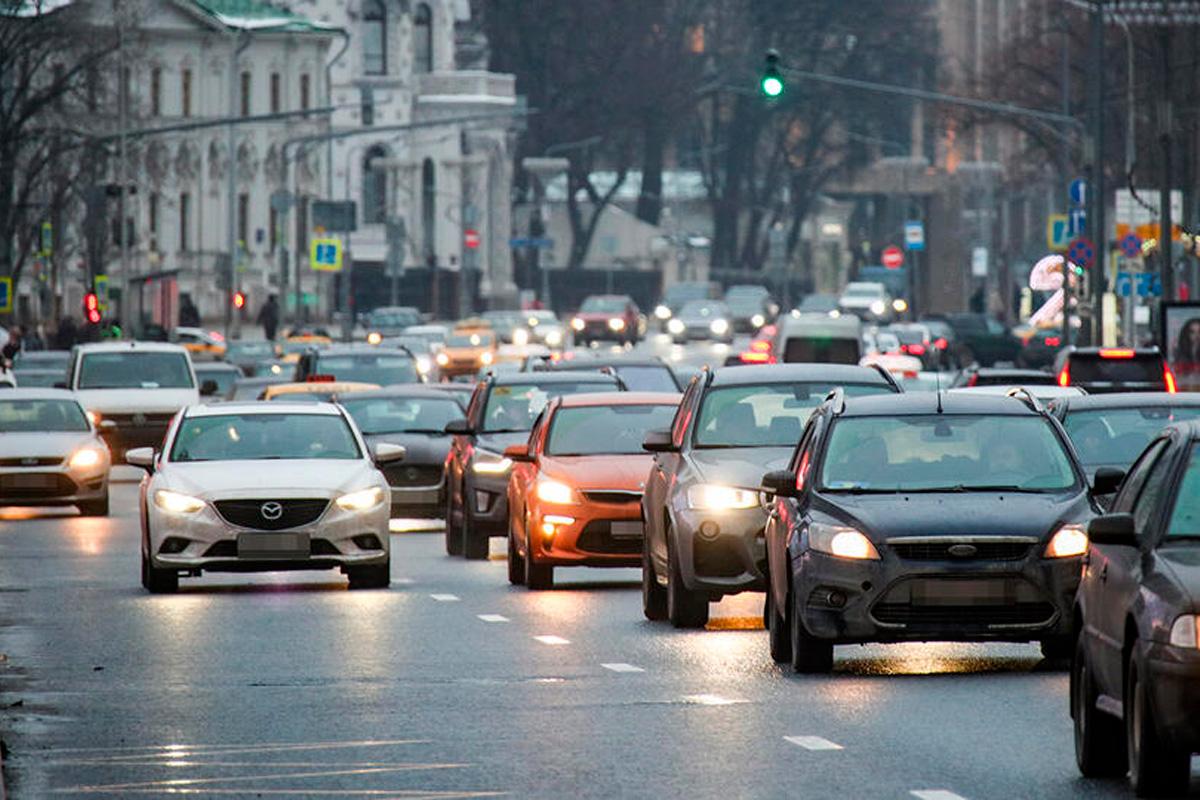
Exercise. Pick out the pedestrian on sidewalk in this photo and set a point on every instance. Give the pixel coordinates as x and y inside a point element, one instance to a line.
<point>268,317</point>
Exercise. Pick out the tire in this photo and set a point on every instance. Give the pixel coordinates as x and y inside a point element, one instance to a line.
<point>1099,740</point>
<point>474,546</point>
<point>158,581</point>
<point>810,655</point>
<point>516,566</point>
<point>95,508</point>
<point>779,635</point>
<point>1059,648</point>
<point>453,532</point>
<point>654,596</point>
<point>537,576</point>
<point>685,608</point>
<point>1155,770</point>
<point>376,576</point>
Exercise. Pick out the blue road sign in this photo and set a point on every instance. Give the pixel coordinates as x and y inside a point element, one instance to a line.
<point>6,299</point>
<point>1149,284</point>
<point>1078,191</point>
<point>1077,223</point>
<point>1124,284</point>
<point>1131,245</point>
<point>914,236</point>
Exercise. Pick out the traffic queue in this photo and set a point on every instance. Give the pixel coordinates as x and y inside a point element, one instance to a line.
<point>868,498</point>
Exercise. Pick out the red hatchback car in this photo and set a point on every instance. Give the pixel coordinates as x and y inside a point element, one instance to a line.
<point>608,317</point>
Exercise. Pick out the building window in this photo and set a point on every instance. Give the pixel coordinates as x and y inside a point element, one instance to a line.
<point>374,187</point>
<point>429,211</point>
<point>305,92</point>
<point>275,93</point>
<point>374,38</point>
<point>152,220</point>
<point>185,217</point>
<point>243,221</point>
<point>156,92</point>
<point>422,39</point>
<point>245,94</point>
<point>185,81</point>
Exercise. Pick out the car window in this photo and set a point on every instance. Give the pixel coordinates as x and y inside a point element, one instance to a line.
<point>1090,367</point>
<point>513,408</point>
<point>133,370</point>
<point>647,379</point>
<point>375,415</point>
<point>1185,517</point>
<point>223,378</point>
<point>604,430</point>
<point>604,305</point>
<point>20,416</point>
<point>1115,436</point>
<point>1136,478</point>
<point>472,339</point>
<point>945,452</point>
<point>379,368</point>
<point>275,437</point>
<point>683,417</point>
<point>764,415</point>
<point>1150,500</point>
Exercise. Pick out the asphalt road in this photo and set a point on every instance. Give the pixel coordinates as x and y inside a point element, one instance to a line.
<point>453,684</point>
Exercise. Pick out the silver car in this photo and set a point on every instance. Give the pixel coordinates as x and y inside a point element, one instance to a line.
<point>260,487</point>
<point>51,453</point>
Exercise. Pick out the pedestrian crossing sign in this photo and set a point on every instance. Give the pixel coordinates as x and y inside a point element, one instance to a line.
<point>326,254</point>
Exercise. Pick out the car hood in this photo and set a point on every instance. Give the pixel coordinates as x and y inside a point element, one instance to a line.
<point>496,442</point>
<point>421,448</point>
<point>955,514</point>
<point>624,472</point>
<point>131,401</point>
<point>42,444</point>
<point>739,466</point>
<point>274,479</point>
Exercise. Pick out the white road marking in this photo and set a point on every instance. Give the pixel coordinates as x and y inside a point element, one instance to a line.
<point>445,598</point>
<point>492,617</point>
<point>936,794</point>
<point>620,667</point>
<point>552,640</point>
<point>709,700</point>
<point>812,743</point>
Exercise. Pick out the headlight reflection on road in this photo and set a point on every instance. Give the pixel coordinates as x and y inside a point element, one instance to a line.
<point>938,658</point>
<point>89,535</point>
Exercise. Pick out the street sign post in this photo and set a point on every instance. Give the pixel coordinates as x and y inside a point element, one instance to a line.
<point>1057,232</point>
<point>326,254</point>
<point>100,287</point>
<point>1078,191</point>
<point>914,236</point>
<point>979,262</point>
<point>1131,245</point>
<point>1077,222</point>
<point>6,296</point>
<point>892,257</point>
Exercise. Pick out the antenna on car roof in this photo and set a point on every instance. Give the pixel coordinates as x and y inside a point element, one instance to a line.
<point>937,376</point>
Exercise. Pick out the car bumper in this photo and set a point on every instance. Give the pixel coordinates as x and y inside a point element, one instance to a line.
<point>1173,678</point>
<point>898,600</point>
<point>598,535</point>
<point>419,502</point>
<point>488,502</point>
<point>594,332</point>
<point>721,552</point>
<point>52,487</point>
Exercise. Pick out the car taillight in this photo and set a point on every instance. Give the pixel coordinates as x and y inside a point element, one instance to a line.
<point>760,346</point>
<point>1064,377</point>
<point>754,357</point>
<point>914,349</point>
<point>1053,341</point>
<point>1116,352</point>
<point>973,380</point>
<point>940,344</point>
<point>1169,377</point>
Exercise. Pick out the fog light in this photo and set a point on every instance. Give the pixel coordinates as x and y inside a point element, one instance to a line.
<point>367,541</point>
<point>173,545</point>
<point>548,530</point>
<point>483,500</point>
<point>709,530</point>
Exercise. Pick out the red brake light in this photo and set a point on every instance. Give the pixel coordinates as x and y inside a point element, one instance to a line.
<point>1116,352</point>
<point>973,380</point>
<point>321,379</point>
<point>753,357</point>
<point>1064,377</point>
<point>760,346</point>
<point>1169,377</point>
<point>1053,341</point>
<point>914,349</point>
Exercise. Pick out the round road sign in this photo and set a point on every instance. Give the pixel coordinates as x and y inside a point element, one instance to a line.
<point>471,238</point>
<point>893,257</point>
<point>1082,252</point>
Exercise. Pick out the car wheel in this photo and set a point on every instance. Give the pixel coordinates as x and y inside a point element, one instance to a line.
<point>158,581</point>
<point>453,532</point>
<point>1155,770</point>
<point>537,576</point>
<point>95,508</point>
<point>685,608</point>
<point>1099,743</point>
<point>1058,648</point>
<point>810,655</point>
<point>516,566</point>
<point>779,636</point>
<point>474,541</point>
<point>376,576</point>
<point>654,596</point>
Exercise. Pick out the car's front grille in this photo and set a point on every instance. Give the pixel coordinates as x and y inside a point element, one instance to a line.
<point>32,485</point>
<point>139,420</point>
<point>271,515</point>
<point>982,617</point>
<point>413,475</point>
<point>960,550</point>
<point>227,548</point>
<point>611,496</point>
<point>597,537</point>
<point>31,461</point>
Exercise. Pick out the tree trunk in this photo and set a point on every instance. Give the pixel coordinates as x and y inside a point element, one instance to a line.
<point>654,143</point>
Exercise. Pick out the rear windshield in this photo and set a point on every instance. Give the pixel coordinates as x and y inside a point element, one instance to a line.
<point>1116,436</point>
<point>512,408</point>
<point>1089,368</point>
<point>605,430</point>
<point>771,415</point>
<point>821,350</point>
<point>604,305</point>
<point>376,415</point>
<point>27,416</point>
<point>945,452</point>
<point>274,437</point>
<point>378,368</point>
<point>648,379</point>
<point>133,370</point>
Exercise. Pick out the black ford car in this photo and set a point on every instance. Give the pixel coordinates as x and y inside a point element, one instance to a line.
<point>925,517</point>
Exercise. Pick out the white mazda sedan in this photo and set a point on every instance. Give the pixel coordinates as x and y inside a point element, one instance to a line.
<point>260,487</point>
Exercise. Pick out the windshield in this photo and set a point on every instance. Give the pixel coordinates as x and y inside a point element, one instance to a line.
<point>818,302</point>
<point>770,415</point>
<point>647,379</point>
<point>472,339</point>
<point>605,430</point>
<point>39,378</point>
<point>223,378</point>
<point>863,290</point>
<point>255,437</point>
<point>1087,368</point>
<point>513,408</point>
<point>252,389</point>
<point>945,452</point>
<point>132,370</point>
<point>42,359</point>
<point>541,317</point>
<point>396,317</point>
<point>821,349</point>
<point>604,305</point>
<point>1185,517</point>
<point>702,308</point>
<point>376,415</point>
<point>250,350</point>
<point>1116,436</point>
<point>377,368</point>
<point>17,416</point>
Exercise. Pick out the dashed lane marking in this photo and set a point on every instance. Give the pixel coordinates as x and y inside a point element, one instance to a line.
<point>710,700</point>
<point>622,667</point>
<point>936,794</point>
<point>492,617</point>
<point>445,598</point>
<point>812,743</point>
<point>552,640</point>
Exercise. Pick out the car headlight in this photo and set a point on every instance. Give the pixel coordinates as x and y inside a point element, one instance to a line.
<point>486,357</point>
<point>85,458</point>
<point>662,312</point>
<point>443,359</point>
<point>709,497</point>
<point>616,324</point>
<point>549,491</point>
<point>758,320</point>
<point>176,503</point>
<point>878,307</point>
<point>719,326</point>
<point>1183,632</point>
<point>676,326</point>
<point>520,336</point>
<point>489,464</point>
<point>554,337</point>
<point>577,324</point>
<point>423,365</point>
<point>1069,540</point>
<point>900,305</point>
<point>374,337</point>
<point>841,542</point>
<point>362,500</point>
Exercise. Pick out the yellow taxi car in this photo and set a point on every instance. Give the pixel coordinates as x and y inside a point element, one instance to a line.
<point>313,391</point>
<point>466,351</point>
<point>201,344</point>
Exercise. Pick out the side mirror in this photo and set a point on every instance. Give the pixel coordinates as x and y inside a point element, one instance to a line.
<point>389,453</point>
<point>518,453</point>
<point>459,427</point>
<point>1116,529</point>
<point>658,442</point>
<point>208,388</point>
<point>140,457</point>
<point>781,483</point>
<point>1107,480</point>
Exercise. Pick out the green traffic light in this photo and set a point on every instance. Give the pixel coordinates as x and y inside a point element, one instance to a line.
<point>772,85</point>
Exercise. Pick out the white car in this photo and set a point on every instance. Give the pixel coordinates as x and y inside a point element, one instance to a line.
<point>867,300</point>
<point>260,487</point>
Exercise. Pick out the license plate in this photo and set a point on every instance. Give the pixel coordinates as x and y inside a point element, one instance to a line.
<point>272,545</point>
<point>626,530</point>
<point>31,481</point>
<point>962,593</point>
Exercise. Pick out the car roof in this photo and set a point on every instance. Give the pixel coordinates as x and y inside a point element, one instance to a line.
<point>792,373</point>
<point>135,346</point>
<point>1090,402</point>
<point>37,393</point>
<point>319,387</point>
<point>536,378</point>
<point>216,366</point>
<point>362,349</point>
<point>407,390</point>
<point>912,403</point>
<point>843,325</point>
<point>1042,391</point>
<point>259,407</point>
<point>586,399</point>
<point>585,363</point>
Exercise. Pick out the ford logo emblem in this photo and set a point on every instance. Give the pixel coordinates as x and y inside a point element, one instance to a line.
<point>271,511</point>
<point>962,550</point>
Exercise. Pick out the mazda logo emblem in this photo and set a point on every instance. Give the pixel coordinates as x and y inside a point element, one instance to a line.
<point>139,419</point>
<point>271,510</point>
<point>962,550</point>
<point>29,462</point>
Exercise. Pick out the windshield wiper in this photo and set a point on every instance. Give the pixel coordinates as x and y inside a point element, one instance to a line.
<point>506,430</point>
<point>961,487</point>
<point>858,490</point>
